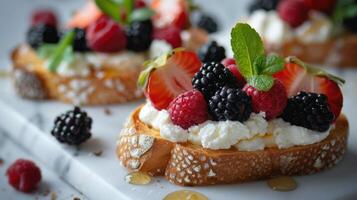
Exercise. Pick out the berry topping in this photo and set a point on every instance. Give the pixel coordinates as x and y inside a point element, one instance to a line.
<point>46,17</point>
<point>309,110</point>
<point>228,61</point>
<point>211,77</point>
<point>170,34</point>
<point>168,76</point>
<point>105,35</point>
<point>40,34</point>
<point>170,13</point>
<point>188,109</point>
<point>271,102</point>
<point>321,5</point>
<point>139,4</point>
<point>230,104</point>
<point>240,79</point>
<point>24,175</point>
<point>207,23</point>
<point>293,12</point>
<point>298,76</point>
<point>139,35</point>
<point>72,127</point>
<point>85,16</point>
<point>79,40</point>
<point>211,52</point>
<point>263,5</point>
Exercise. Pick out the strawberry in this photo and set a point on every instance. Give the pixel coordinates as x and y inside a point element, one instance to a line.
<point>168,76</point>
<point>298,76</point>
<point>85,16</point>
<point>321,5</point>
<point>170,13</point>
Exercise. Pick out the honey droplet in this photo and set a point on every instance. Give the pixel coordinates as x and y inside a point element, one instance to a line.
<point>185,195</point>
<point>138,178</point>
<point>283,183</point>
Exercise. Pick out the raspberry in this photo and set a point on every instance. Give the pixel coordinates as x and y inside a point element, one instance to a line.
<point>271,102</point>
<point>188,109</point>
<point>240,79</point>
<point>24,175</point>
<point>293,12</point>
<point>170,34</point>
<point>46,17</point>
<point>105,35</point>
<point>139,4</point>
<point>228,61</point>
<point>325,6</point>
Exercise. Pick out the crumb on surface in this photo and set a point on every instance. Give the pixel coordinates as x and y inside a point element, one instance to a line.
<point>76,198</point>
<point>98,153</point>
<point>107,111</point>
<point>1,162</point>
<point>53,195</point>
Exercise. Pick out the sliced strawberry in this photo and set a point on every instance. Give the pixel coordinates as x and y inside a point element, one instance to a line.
<point>169,76</point>
<point>170,13</point>
<point>298,76</point>
<point>85,16</point>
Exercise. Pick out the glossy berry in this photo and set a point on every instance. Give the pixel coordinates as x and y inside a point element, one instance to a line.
<point>309,110</point>
<point>293,12</point>
<point>40,34</point>
<point>139,35</point>
<point>46,17</point>
<point>24,175</point>
<point>139,4</point>
<point>188,109</point>
<point>211,52</point>
<point>271,102</point>
<point>240,79</point>
<point>228,61</point>
<point>207,23</point>
<point>79,42</point>
<point>263,5</point>
<point>230,104</point>
<point>72,127</point>
<point>211,77</point>
<point>321,5</point>
<point>105,35</point>
<point>170,34</point>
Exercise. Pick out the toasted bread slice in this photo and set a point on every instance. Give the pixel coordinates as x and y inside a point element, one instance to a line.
<point>339,51</point>
<point>141,148</point>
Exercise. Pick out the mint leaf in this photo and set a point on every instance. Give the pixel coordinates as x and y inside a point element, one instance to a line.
<point>273,64</point>
<point>259,64</point>
<point>247,46</point>
<point>261,82</point>
<point>110,8</point>
<point>46,50</point>
<point>141,14</point>
<point>58,54</point>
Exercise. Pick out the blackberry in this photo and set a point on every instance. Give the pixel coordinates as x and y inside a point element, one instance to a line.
<point>230,104</point>
<point>40,34</point>
<point>263,5</point>
<point>139,35</point>
<point>211,77</point>
<point>309,110</point>
<point>72,127</point>
<point>207,23</point>
<point>79,41</point>
<point>211,52</point>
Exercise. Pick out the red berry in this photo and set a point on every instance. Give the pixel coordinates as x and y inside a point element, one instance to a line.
<point>271,102</point>
<point>140,4</point>
<point>105,35</point>
<point>188,109</point>
<point>228,61</point>
<point>24,175</point>
<point>321,5</point>
<point>240,79</point>
<point>85,16</point>
<point>293,12</point>
<point>170,13</point>
<point>170,34</point>
<point>46,17</point>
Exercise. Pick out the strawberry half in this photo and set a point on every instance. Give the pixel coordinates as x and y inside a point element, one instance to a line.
<point>85,16</point>
<point>298,76</point>
<point>168,76</point>
<point>170,13</point>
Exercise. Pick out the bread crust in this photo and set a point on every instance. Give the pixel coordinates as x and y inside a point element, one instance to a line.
<point>190,165</point>
<point>338,51</point>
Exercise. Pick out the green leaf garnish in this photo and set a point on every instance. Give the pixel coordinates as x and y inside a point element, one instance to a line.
<point>273,65</point>
<point>46,50</point>
<point>261,82</point>
<point>58,54</point>
<point>247,46</point>
<point>344,9</point>
<point>141,14</point>
<point>110,8</point>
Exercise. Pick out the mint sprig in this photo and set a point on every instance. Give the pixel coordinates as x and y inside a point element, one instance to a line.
<point>248,51</point>
<point>60,51</point>
<point>344,9</point>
